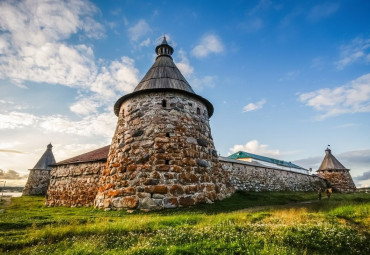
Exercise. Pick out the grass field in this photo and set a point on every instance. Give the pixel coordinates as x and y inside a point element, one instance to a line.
<point>246,223</point>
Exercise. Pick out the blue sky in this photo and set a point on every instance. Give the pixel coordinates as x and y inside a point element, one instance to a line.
<point>286,78</point>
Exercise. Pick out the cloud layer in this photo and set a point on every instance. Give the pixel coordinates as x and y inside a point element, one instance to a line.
<point>351,98</point>
<point>34,46</point>
<point>254,106</point>
<point>208,44</point>
<point>357,51</point>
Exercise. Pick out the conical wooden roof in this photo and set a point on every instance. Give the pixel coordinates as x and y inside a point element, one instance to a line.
<point>330,162</point>
<point>47,159</point>
<point>163,76</point>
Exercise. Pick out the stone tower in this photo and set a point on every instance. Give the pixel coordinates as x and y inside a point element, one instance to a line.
<point>39,176</point>
<point>162,154</point>
<point>336,174</point>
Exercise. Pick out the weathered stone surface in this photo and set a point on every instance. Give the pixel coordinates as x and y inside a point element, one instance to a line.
<point>176,190</point>
<point>138,133</point>
<point>340,180</point>
<point>202,163</point>
<point>164,147</point>
<point>186,201</point>
<point>248,177</point>
<point>202,142</point>
<point>149,204</point>
<point>68,189</point>
<point>37,182</point>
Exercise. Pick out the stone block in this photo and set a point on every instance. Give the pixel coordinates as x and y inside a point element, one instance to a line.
<point>186,201</point>
<point>160,189</point>
<point>148,204</point>
<point>176,190</point>
<point>202,163</point>
<point>137,133</point>
<point>202,142</point>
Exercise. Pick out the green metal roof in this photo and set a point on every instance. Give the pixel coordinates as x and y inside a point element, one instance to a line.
<point>242,154</point>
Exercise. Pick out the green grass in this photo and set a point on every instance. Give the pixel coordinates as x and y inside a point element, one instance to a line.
<point>246,223</point>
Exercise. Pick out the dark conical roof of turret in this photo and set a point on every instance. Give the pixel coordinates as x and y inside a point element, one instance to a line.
<point>330,162</point>
<point>46,159</point>
<point>163,76</point>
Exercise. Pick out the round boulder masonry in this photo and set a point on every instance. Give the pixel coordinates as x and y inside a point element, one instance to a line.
<point>162,154</point>
<point>74,184</point>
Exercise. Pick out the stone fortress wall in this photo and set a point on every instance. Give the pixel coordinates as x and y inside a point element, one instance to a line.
<point>246,176</point>
<point>77,184</point>
<point>74,184</point>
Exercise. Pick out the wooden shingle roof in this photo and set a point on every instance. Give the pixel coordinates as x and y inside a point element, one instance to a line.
<point>100,154</point>
<point>47,159</point>
<point>163,76</point>
<point>330,162</point>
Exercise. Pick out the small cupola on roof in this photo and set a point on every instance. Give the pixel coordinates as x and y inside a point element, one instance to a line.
<point>164,49</point>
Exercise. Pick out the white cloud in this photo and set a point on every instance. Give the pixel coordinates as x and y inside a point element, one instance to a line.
<point>140,29</point>
<point>209,44</point>
<point>255,147</point>
<point>15,120</point>
<point>85,106</point>
<point>357,50</point>
<point>33,48</point>
<point>32,41</point>
<point>184,64</point>
<point>322,11</point>
<point>201,83</point>
<point>92,125</point>
<point>121,76</point>
<point>145,43</point>
<point>197,83</point>
<point>351,98</point>
<point>254,106</point>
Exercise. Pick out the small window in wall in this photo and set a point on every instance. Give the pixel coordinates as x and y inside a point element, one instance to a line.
<point>164,103</point>
<point>167,134</point>
<point>198,110</point>
<point>119,140</point>
<point>167,162</point>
